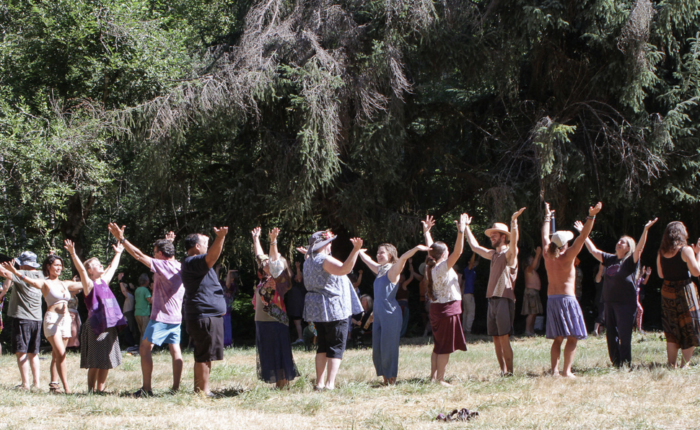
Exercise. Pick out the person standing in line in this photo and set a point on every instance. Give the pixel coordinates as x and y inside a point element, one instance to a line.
<point>274,349</point>
<point>230,289</point>
<point>329,303</point>
<point>564,315</point>
<point>641,283</point>
<point>620,292</point>
<point>680,309</point>
<point>501,288</point>
<point>99,341</point>
<point>131,334</point>
<point>57,322</point>
<point>600,304</point>
<point>445,297</point>
<point>532,304</point>
<point>204,304</point>
<point>468,303</point>
<point>164,321</point>
<point>25,311</point>
<point>76,323</point>
<point>402,296</point>
<point>294,300</point>
<point>388,319</point>
<point>142,304</point>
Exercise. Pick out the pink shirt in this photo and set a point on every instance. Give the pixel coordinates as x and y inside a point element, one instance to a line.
<point>168,291</point>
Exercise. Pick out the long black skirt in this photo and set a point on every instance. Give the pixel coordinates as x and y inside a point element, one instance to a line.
<point>275,361</point>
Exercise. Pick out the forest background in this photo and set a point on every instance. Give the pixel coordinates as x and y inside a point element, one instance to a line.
<point>361,116</point>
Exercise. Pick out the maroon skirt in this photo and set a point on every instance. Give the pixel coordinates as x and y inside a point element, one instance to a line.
<point>447,327</point>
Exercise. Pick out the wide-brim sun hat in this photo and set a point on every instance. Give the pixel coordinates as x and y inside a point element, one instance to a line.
<point>320,239</point>
<point>497,227</point>
<point>562,237</point>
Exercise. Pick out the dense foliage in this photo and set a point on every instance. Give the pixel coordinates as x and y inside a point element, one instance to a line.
<point>358,115</point>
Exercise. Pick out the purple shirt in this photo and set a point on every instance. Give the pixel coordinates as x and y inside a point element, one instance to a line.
<point>168,291</point>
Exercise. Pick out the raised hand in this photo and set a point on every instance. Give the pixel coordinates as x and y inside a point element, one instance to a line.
<point>117,232</point>
<point>420,248</point>
<point>256,233</point>
<point>170,236</point>
<point>593,211</point>
<point>650,223</point>
<point>462,223</point>
<point>648,271</point>
<point>428,223</point>
<point>356,243</point>
<point>69,246</point>
<point>9,267</point>
<point>301,250</point>
<point>468,219</point>
<point>578,225</point>
<point>120,276</point>
<point>297,264</point>
<point>118,248</point>
<point>221,231</point>
<point>273,234</point>
<point>517,214</point>
<point>538,249</point>
<point>547,212</point>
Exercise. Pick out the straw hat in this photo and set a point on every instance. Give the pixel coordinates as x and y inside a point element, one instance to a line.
<point>498,227</point>
<point>319,239</point>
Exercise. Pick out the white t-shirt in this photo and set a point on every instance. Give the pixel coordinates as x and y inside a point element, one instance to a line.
<point>445,284</point>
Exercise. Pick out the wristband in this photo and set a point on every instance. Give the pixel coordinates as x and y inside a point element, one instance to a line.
<point>591,217</point>
<point>122,240</point>
<point>274,242</point>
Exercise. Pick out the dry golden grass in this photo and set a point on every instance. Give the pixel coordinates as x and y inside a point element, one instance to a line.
<point>650,396</point>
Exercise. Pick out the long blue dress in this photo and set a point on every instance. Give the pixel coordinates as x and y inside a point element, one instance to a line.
<point>386,330</point>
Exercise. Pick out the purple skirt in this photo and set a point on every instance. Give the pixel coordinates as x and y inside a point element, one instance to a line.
<point>564,317</point>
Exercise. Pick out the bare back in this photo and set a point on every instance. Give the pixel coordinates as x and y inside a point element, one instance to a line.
<point>561,273</point>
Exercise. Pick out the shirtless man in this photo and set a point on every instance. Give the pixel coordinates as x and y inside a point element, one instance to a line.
<point>564,316</point>
<point>500,290</point>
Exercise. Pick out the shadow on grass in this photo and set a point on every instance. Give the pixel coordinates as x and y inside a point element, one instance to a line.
<point>230,392</point>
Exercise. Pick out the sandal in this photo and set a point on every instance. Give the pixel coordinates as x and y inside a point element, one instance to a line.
<point>54,387</point>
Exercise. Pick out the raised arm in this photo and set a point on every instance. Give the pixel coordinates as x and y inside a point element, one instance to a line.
<point>512,253</point>
<point>373,265</point>
<point>595,252</point>
<point>647,275</point>
<point>395,272</point>
<point>581,239</point>
<point>112,268</point>
<point>215,250</point>
<point>118,234</point>
<point>599,275</point>
<point>546,230</point>
<point>474,244</point>
<point>417,276</point>
<point>9,271</point>
<point>299,276</point>
<point>427,225</point>
<point>404,285</point>
<point>84,278</point>
<point>535,264</point>
<point>256,241</point>
<point>335,267</point>
<point>643,240</point>
<point>459,243</point>
<point>274,253</point>
<point>358,281</point>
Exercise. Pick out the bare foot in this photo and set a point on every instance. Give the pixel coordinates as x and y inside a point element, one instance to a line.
<point>555,373</point>
<point>445,384</point>
<point>391,381</point>
<point>570,375</point>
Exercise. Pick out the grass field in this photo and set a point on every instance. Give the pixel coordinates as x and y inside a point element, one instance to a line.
<point>649,396</point>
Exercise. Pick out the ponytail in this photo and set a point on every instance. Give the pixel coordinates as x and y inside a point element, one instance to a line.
<point>430,262</point>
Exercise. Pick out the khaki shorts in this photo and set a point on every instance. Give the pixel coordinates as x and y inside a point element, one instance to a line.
<point>500,316</point>
<point>57,324</point>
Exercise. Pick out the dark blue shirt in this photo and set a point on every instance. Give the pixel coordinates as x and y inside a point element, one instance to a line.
<point>204,297</point>
<point>469,278</point>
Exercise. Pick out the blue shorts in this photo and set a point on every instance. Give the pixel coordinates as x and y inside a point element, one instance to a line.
<point>159,333</point>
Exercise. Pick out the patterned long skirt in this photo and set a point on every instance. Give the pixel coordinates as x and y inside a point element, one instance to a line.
<point>680,316</point>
